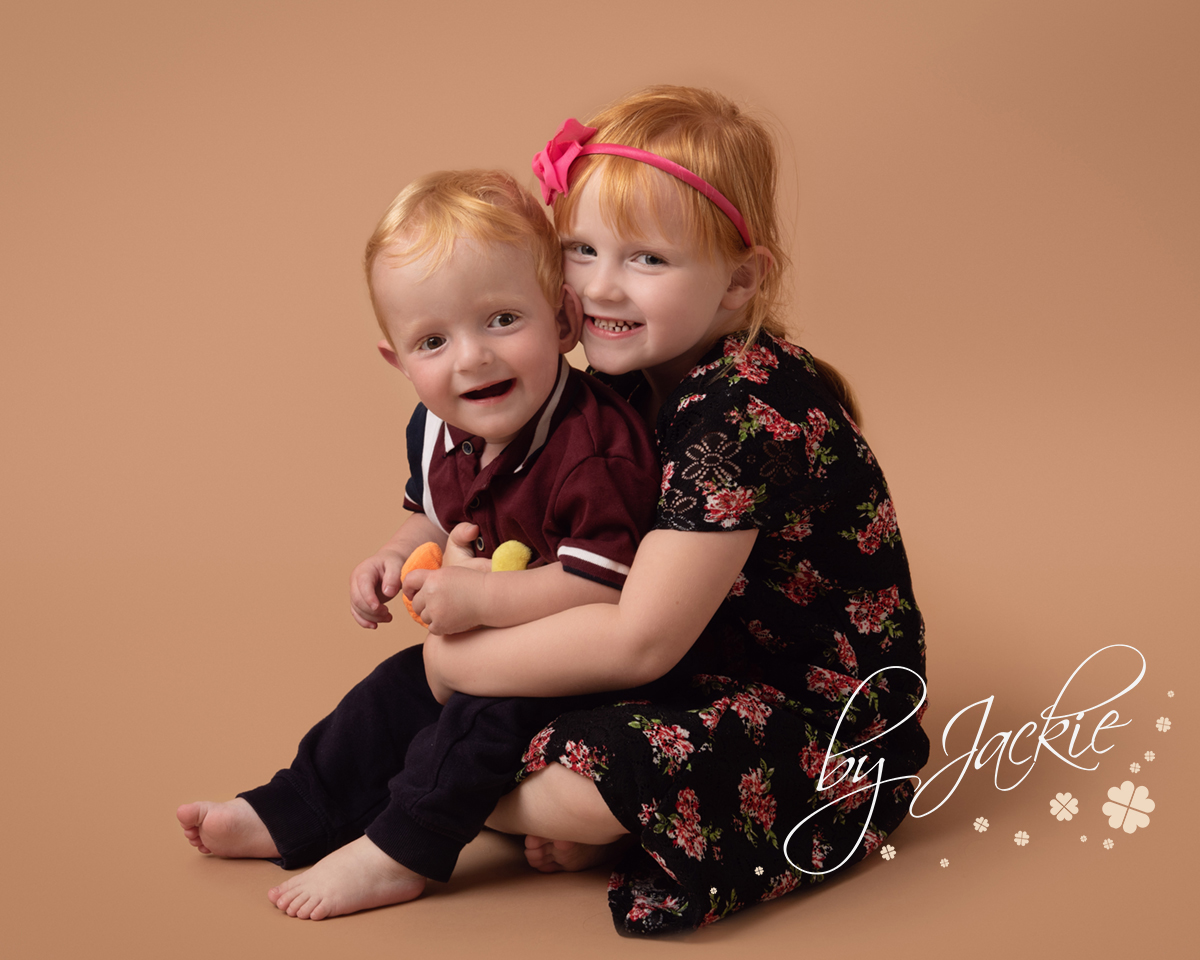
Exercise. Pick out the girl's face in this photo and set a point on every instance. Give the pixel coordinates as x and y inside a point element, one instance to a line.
<point>654,304</point>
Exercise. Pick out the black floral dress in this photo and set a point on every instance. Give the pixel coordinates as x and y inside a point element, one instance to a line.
<point>716,772</point>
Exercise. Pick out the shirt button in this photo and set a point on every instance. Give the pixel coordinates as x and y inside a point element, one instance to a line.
<point>479,544</point>
<point>474,503</point>
<point>467,448</point>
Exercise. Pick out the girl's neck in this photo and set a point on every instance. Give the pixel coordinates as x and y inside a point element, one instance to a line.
<point>663,379</point>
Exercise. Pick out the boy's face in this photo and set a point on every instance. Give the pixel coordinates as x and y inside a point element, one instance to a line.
<point>476,336</point>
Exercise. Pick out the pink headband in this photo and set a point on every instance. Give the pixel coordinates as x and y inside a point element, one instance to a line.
<point>552,166</point>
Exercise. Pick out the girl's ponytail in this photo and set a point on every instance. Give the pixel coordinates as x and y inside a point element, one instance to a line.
<point>839,387</point>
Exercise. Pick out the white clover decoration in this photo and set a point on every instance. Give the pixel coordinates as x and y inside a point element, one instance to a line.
<point>981,824</point>
<point>1064,806</point>
<point>888,852</point>
<point>1108,844</point>
<point>944,862</point>
<point>1135,767</point>
<point>1128,807</point>
<point>1021,838</point>
<point>1163,724</point>
<point>1148,756</point>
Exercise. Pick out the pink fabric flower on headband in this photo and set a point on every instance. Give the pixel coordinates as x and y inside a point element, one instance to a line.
<point>552,165</point>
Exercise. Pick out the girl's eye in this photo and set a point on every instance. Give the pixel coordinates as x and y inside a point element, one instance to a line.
<point>581,249</point>
<point>431,343</point>
<point>650,260</point>
<point>503,320</point>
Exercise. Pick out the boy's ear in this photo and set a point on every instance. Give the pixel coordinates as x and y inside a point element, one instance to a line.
<point>570,320</point>
<point>389,354</point>
<point>747,277</point>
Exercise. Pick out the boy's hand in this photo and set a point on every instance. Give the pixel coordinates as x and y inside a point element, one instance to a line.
<point>449,599</point>
<point>460,549</point>
<point>373,583</point>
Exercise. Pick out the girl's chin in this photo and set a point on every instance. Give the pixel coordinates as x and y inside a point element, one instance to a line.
<point>605,360</point>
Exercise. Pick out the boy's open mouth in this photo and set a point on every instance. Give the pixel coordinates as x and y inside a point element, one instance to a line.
<point>486,393</point>
<point>613,326</point>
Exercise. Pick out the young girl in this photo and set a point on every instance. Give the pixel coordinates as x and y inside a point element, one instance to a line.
<point>773,592</point>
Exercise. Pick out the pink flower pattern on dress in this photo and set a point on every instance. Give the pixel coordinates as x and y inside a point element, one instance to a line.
<point>754,714</point>
<point>803,585</point>
<point>814,432</point>
<point>799,527</point>
<point>756,802</point>
<point>834,686</point>
<point>684,828</point>
<point>727,506</point>
<point>846,653</point>
<point>756,364</point>
<point>771,420</point>
<point>667,473</point>
<point>670,743</point>
<point>584,761</point>
<point>534,756</point>
<point>868,611</point>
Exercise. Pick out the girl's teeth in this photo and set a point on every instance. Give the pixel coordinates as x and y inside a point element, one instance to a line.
<point>613,326</point>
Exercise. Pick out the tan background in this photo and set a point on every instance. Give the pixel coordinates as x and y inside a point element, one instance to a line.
<point>996,231</point>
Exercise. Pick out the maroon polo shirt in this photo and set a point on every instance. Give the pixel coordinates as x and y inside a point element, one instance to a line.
<point>578,485</point>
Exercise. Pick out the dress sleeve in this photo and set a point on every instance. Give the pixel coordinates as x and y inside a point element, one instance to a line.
<point>605,504</point>
<point>744,455</point>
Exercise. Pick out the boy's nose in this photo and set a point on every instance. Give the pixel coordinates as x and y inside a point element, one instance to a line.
<point>473,352</point>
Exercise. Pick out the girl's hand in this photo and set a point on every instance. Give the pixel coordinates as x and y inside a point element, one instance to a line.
<point>449,599</point>
<point>373,583</point>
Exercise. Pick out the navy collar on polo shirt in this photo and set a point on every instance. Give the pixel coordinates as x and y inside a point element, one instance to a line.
<point>531,438</point>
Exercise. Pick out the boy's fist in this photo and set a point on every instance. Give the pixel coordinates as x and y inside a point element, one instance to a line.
<point>428,556</point>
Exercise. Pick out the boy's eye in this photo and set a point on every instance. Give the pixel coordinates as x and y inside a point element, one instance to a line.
<point>503,320</point>
<point>581,249</point>
<point>431,343</point>
<point>650,260</point>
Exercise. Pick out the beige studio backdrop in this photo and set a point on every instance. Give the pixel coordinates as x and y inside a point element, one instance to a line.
<point>994,209</point>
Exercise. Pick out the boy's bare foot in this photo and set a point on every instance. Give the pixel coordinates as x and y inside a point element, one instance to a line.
<point>229,829</point>
<point>551,856</point>
<point>356,877</point>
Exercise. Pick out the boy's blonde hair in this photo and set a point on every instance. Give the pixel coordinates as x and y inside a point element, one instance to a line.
<point>710,136</point>
<point>434,211</point>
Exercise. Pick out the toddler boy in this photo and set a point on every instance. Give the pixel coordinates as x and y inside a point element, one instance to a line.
<point>465,273</point>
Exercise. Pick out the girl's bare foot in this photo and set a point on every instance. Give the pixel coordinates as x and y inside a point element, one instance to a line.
<point>356,877</point>
<point>229,829</point>
<point>551,856</point>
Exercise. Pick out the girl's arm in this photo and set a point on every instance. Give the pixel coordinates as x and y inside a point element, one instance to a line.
<point>677,581</point>
<point>456,598</point>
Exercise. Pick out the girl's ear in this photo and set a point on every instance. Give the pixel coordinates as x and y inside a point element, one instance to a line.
<point>747,277</point>
<point>388,352</point>
<point>569,320</point>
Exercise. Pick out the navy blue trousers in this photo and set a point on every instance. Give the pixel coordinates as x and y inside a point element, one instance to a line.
<point>416,777</point>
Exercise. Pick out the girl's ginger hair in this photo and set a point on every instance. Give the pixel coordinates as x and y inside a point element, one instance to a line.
<point>715,139</point>
<point>489,206</point>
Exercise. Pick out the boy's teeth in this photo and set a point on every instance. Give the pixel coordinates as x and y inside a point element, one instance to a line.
<point>614,326</point>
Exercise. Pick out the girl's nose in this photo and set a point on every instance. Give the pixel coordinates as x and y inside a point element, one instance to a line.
<point>602,285</point>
